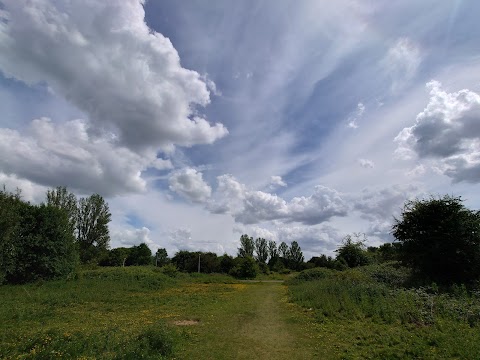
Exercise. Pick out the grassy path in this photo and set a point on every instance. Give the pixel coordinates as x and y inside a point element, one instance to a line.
<point>254,323</point>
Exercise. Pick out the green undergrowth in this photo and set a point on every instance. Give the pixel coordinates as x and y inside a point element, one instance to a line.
<point>372,312</point>
<point>105,313</point>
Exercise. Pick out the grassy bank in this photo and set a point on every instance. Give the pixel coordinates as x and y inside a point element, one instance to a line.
<point>370,313</point>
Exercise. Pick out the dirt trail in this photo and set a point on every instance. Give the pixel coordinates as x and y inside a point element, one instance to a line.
<point>255,323</point>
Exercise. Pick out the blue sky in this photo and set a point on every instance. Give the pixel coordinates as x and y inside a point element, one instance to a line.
<point>199,121</point>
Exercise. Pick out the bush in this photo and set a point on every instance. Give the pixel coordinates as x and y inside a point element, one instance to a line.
<point>41,245</point>
<point>245,268</point>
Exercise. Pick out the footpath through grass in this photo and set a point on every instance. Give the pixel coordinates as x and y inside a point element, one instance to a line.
<point>140,313</point>
<point>256,323</point>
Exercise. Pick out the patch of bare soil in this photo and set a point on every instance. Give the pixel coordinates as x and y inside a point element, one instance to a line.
<point>186,322</point>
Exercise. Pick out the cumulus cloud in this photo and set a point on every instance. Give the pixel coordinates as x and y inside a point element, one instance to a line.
<point>229,195</point>
<point>401,62</point>
<point>182,239</point>
<point>102,57</point>
<point>189,183</point>
<point>276,181</point>
<point>132,237</point>
<point>367,164</point>
<point>53,154</point>
<point>447,131</point>
<point>251,207</point>
<point>379,206</point>
<point>29,191</point>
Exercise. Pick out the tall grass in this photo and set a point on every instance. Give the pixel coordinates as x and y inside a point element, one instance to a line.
<point>375,292</point>
<point>378,298</point>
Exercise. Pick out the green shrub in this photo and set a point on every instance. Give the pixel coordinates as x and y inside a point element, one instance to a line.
<point>245,268</point>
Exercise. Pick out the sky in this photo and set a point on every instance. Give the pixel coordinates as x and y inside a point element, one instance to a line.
<point>200,121</point>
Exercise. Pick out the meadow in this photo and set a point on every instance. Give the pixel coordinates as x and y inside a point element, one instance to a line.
<point>154,313</point>
<point>142,313</point>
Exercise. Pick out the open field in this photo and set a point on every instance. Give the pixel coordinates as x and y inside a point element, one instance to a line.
<point>140,313</point>
<point>131,313</point>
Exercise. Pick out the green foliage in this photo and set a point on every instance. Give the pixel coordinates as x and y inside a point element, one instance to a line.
<point>245,268</point>
<point>295,256</point>
<point>226,263</point>
<point>188,261</point>
<point>41,245</point>
<point>352,253</point>
<point>61,198</point>
<point>440,239</point>
<point>375,292</point>
<point>261,249</point>
<point>312,274</point>
<point>283,249</point>
<point>322,261</point>
<point>247,246</point>
<point>139,255</point>
<point>10,205</point>
<point>272,249</point>
<point>116,257</point>
<point>185,261</point>
<point>92,227</point>
<point>161,257</point>
<point>169,270</point>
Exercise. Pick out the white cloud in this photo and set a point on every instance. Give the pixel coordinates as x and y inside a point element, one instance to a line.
<point>354,118</point>
<point>102,57</point>
<point>29,191</point>
<point>69,154</point>
<point>380,205</point>
<point>132,237</point>
<point>190,184</point>
<point>367,164</point>
<point>276,181</point>
<point>401,63</point>
<point>251,207</point>
<point>182,239</point>
<point>447,131</point>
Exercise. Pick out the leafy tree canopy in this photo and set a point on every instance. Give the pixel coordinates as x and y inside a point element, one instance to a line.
<point>440,238</point>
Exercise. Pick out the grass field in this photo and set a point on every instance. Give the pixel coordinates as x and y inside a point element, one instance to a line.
<point>141,313</point>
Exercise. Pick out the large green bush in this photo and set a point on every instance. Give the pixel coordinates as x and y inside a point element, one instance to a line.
<point>40,246</point>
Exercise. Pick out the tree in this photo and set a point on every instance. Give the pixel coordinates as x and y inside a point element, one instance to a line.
<point>61,198</point>
<point>161,257</point>
<point>295,255</point>
<point>139,255</point>
<point>247,246</point>
<point>261,249</point>
<point>9,226</point>
<point>352,253</point>
<point>245,268</point>
<point>440,239</point>
<point>44,247</point>
<point>283,249</point>
<point>322,261</point>
<point>116,257</point>
<point>92,227</point>
<point>186,261</point>
<point>272,249</point>
<point>226,263</point>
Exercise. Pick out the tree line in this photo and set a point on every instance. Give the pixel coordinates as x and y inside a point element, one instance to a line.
<point>438,238</point>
